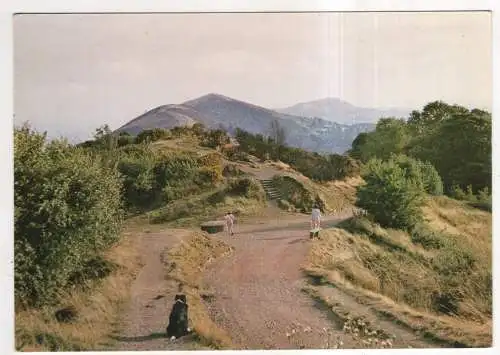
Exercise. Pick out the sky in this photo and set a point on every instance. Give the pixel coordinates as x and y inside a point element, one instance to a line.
<point>74,73</point>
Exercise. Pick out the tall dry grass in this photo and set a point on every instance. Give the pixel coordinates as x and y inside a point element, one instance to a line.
<point>185,263</point>
<point>445,289</point>
<point>97,307</point>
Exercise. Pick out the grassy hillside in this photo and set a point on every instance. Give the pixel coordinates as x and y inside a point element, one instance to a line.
<point>168,180</point>
<point>79,209</point>
<point>172,181</point>
<point>301,193</point>
<point>436,281</point>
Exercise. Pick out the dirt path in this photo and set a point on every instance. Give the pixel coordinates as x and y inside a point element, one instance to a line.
<point>258,298</point>
<point>257,293</point>
<point>143,324</point>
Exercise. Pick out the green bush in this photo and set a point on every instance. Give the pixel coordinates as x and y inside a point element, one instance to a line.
<point>139,181</point>
<point>152,135</point>
<point>67,211</point>
<point>389,196</point>
<point>427,237</point>
<point>125,139</point>
<point>453,260</point>
<point>285,205</point>
<point>423,173</point>
<point>246,187</point>
<point>311,164</point>
<point>296,193</point>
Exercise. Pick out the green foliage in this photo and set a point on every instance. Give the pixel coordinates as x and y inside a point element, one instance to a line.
<point>247,187</point>
<point>285,205</point>
<point>391,136</point>
<point>454,140</point>
<point>423,173</point>
<point>460,149</point>
<point>389,196</point>
<point>67,211</point>
<point>139,187</point>
<point>124,139</point>
<point>427,237</point>
<point>198,129</point>
<point>313,165</point>
<point>296,194</point>
<point>453,260</point>
<point>152,135</point>
<point>215,138</point>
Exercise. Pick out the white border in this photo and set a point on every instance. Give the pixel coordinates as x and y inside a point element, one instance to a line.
<point>7,8</point>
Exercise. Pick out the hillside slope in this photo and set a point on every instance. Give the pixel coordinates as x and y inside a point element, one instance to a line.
<point>336,110</point>
<point>218,111</point>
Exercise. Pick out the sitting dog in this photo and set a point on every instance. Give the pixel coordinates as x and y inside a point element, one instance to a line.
<point>178,320</point>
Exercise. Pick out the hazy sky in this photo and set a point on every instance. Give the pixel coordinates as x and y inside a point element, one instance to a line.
<point>74,73</point>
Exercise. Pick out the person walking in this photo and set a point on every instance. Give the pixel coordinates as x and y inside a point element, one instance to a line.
<point>229,218</point>
<point>315,217</point>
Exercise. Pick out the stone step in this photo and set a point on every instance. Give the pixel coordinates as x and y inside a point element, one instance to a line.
<point>274,195</point>
<point>274,191</point>
<point>271,191</point>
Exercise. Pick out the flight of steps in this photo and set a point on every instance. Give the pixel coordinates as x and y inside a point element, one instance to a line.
<point>271,191</point>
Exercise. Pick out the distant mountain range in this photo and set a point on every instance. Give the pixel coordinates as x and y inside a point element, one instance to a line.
<point>336,110</point>
<point>305,131</point>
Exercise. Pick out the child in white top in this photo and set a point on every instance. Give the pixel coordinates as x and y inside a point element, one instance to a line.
<point>229,217</point>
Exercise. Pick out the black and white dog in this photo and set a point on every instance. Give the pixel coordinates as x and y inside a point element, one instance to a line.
<point>178,320</point>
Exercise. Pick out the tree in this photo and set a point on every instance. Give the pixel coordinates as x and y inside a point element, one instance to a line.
<point>422,173</point>
<point>389,196</point>
<point>198,129</point>
<point>152,135</point>
<point>358,143</point>
<point>105,138</point>
<point>460,149</point>
<point>278,133</point>
<point>278,137</point>
<point>67,212</point>
<point>215,138</point>
<point>391,136</point>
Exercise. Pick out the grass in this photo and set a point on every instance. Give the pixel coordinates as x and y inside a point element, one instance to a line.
<point>184,264</point>
<point>443,289</point>
<point>300,191</point>
<point>97,307</point>
<point>210,205</point>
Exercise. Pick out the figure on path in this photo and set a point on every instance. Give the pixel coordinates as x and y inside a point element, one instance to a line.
<point>315,217</point>
<point>229,217</point>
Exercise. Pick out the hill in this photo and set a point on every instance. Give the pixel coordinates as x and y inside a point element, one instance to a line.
<point>428,287</point>
<point>336,110</point>
<point>218,111</point>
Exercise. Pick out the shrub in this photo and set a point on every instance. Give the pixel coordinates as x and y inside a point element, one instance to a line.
<point>483,206</point>
<point>427,237</point>
<point>389,196</point>
<point>453,261</point>
<point>125,139</point>
<point>247,187</point>
<point>484,195</point>
<point>232,170</point>
<point>215,138</point>
<point>152,135</point>
<point>209,176</point>
<point>423,173</point>
<point>295,193</point>
<point>67,211</point>
<point>457,193</point>
<point>139,181</point>
<point>285,205</point>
